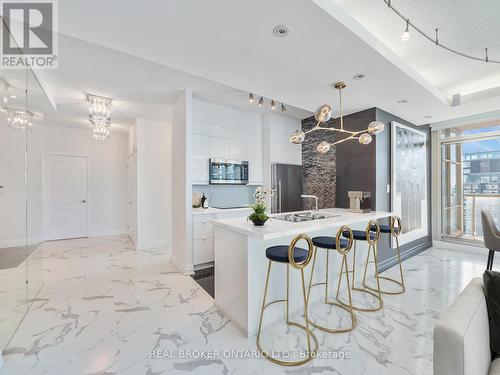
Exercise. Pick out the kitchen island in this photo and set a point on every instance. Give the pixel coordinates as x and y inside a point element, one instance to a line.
<point>241,263</point>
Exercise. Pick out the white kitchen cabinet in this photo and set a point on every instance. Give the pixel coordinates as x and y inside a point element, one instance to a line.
<point>237,150</point>
<point>219,148</point>
<point>203,251</point>
<point>255,167</point>
<point>203,237</point>
<point>200,157</point>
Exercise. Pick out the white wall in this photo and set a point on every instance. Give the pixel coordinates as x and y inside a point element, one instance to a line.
<point>181,121</point>
<point>154,184</point>
<point>107,178</point>
<point>12,196</point>
<point>276,145</point>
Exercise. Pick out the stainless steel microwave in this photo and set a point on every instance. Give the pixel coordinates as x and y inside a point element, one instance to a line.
<point>228,172</point>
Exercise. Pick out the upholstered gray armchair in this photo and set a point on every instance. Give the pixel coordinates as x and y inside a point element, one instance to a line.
<point>491,237</point>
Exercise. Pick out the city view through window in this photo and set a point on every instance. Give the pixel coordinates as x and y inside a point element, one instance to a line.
<point>470,182</point>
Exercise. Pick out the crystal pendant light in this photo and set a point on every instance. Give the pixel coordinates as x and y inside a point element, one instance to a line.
<point>100,132</point>
<point>19,119</point>
<point>99,116</point>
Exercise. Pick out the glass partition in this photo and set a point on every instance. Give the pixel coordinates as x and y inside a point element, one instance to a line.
<point>22,107</point>
<point>13,268</point>
<point>37,104</point>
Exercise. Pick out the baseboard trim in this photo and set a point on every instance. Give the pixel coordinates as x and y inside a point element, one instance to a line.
<point>106,233</point>
<point>20,242</point>
<point>153,245</point>
<point>405,254</point>
<point>202,266</point>
<point>187,269</point>
<point>464,248</point>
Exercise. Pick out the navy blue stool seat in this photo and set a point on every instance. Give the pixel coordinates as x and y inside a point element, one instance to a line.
<point>326,242</point>
<point>280,254</point>
<point>359,235</point>
<point>385,229</point>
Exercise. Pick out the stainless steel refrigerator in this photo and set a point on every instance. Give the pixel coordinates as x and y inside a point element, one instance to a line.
<point>287,181</point>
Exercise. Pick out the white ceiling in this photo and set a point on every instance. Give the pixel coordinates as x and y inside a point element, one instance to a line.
<point>464,25</point>
<point>139,88</point>
<point>231,42</point>
<point>142,54</point>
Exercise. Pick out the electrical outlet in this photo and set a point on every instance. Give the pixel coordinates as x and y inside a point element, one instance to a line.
<point>388,188</point>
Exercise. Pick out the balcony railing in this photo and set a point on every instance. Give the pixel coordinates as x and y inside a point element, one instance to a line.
<point>473,205</point>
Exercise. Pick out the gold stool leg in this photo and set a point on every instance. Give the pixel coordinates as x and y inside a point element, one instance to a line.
<point>263,305</point>
<point>351,311</point>
<point>347,270</point>
<point>311,353</point>
<point>339,305</point>
<point>400,283</point>
<point>375,293</point>
<point>312,273</point>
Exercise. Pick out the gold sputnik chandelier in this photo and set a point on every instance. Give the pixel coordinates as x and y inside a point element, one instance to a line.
<point>324,113</point>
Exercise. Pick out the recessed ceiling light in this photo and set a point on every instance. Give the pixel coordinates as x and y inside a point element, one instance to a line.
<point>403,101</point>
<point>359,76</point>
<point>428,116</point>
<point>13,97</point>
<point>280,31</point>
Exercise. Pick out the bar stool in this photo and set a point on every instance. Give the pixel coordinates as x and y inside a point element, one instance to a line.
<point>394,231</point>
<point>371,237</point>
<point>343,247</point>
<point>298,258</point>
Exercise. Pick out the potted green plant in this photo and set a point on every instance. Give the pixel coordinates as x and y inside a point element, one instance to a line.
<point>258,217</point>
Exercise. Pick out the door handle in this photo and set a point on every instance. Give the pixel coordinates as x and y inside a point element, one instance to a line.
<point>84,201</point>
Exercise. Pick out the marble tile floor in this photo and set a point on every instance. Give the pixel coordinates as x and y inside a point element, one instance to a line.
<point>104,307</point>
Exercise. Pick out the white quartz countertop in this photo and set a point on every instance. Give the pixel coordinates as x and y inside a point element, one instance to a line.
<point>275,228</point>
<point>213,210</point>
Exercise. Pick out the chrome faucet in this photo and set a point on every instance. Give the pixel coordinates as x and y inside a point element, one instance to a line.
<point>313,197</point>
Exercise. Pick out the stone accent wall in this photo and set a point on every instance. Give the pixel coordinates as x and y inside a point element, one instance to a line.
<point>319,169</point>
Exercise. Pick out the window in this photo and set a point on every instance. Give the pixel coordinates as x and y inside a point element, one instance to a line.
<point>470,180</point>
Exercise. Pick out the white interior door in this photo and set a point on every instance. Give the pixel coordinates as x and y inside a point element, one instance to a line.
<point>65,183</point>
<point>132,198</point>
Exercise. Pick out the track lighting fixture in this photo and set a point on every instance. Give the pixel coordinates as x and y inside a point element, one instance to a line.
<point>406,34</point>
<point>261,101</point>
<point>251,98</point>
<point>273,105</point>
<point>283,108</point>
<point>435,38</point>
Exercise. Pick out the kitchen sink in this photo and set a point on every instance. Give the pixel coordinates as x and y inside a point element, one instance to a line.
<point>299,217</point>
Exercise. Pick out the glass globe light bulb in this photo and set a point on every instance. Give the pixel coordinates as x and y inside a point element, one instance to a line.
<point>298,137</point>
<point>323,113</point>
<point>375,127</point>
<point>323,147</point>
<point>365,139</point>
